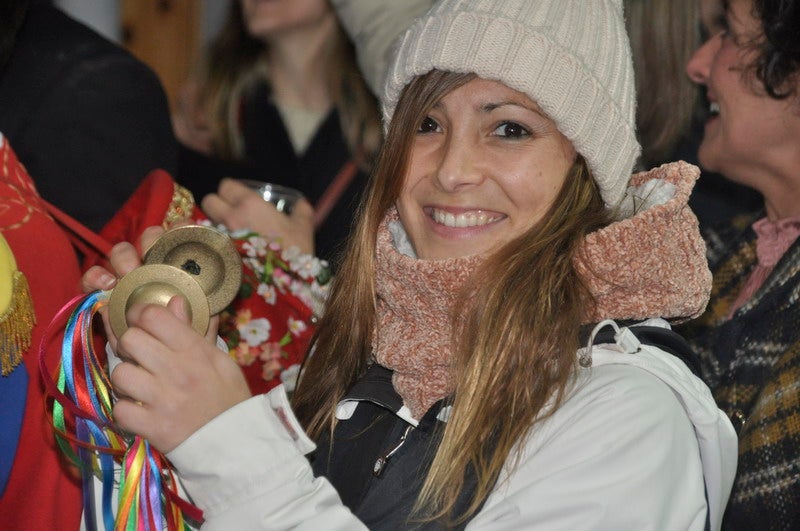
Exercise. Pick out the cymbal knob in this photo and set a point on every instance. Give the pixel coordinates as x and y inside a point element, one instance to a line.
<point>206,254</point>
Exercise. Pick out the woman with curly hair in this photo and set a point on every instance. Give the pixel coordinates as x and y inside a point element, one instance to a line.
<point>749,338</point>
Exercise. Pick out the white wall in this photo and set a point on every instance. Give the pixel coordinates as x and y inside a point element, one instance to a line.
<point>101,15</point>
<point>214,14</point>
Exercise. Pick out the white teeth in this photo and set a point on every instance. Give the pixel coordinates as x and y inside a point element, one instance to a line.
<point>713,107</point>
<point>468,219</point>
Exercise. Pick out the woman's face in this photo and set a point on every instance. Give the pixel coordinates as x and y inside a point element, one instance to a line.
<point>268,18</point>
<point>485,165</point>
<point>744,126</point>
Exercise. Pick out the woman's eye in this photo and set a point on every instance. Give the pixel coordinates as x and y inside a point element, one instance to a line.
<point>716,25</point>
<point>721,25</point>
<point>511,130</point>
<point>428,125</point>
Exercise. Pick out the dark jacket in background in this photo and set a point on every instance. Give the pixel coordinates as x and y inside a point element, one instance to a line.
<point>85,117</point>
<point>751,362</point>
<point>270,157</point>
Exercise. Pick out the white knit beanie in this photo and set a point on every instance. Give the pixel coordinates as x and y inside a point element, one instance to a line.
<point>570,56</point>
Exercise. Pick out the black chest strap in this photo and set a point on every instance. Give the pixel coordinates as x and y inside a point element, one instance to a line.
<point>664,338</point>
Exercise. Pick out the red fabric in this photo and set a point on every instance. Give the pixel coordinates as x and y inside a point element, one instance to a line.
<point>147,207</point>
<point>43,492</point>
<point>268,327</point>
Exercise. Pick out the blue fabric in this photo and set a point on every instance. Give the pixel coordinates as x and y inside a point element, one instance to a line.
<point>13,391</point>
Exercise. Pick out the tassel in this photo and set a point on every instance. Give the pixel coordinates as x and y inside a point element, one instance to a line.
<point>16,324</point>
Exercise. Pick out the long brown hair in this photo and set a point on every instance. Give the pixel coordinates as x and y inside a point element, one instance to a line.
<point>513,353</point>
<point>235,63</point>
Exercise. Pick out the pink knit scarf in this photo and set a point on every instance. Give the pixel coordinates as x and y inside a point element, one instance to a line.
<point>415,298</point>
<point>650,265</point>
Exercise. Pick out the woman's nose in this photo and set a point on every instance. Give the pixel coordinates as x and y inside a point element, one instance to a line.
<point>699,66</point>
<point>459,165</point>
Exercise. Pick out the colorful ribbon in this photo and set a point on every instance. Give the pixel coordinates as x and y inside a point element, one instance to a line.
<point>84,428</point>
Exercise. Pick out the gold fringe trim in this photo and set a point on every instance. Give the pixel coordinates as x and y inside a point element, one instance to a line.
<point>16,325</point>
<point>181,207</point>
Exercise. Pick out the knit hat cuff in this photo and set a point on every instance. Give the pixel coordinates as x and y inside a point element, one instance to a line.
<point>503,50</point>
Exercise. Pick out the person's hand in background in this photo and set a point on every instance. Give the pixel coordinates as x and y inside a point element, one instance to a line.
<point>238,207</point>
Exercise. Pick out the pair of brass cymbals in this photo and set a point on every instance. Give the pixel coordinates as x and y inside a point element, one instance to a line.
<point>199,263</point>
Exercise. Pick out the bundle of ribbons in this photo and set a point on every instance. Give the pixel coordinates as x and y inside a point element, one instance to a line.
<point>129,468</point>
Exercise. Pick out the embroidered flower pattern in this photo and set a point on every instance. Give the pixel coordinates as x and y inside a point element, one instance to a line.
<point>254,246</point>
<point>296,327</point>
<point>244,354</point>
<point>269,325</point>
<point>268,293</point>
<point>255,332</point>
<point>271,356</point>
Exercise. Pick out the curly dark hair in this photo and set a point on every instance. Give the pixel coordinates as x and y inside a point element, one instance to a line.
<point>778,58</point>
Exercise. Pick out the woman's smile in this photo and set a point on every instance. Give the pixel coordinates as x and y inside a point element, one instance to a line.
<point>462,218</point>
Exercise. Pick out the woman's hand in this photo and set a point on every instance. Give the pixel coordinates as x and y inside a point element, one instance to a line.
<point>124,258</point>
<point>238,207</point>
<point>173,381</point>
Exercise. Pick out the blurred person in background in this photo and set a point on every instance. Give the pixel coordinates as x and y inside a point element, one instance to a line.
<point>664,34</point>
<point>749,338</point>
<point>279,99</point>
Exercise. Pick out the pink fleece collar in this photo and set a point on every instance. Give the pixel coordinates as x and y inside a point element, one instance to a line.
<point>650,265</point>
<point>775,238</point>
<point>654,263</point>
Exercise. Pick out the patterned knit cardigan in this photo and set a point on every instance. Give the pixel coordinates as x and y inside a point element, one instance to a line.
<point>752,365</point>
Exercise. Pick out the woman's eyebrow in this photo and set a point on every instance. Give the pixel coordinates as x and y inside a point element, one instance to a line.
<point>491,106</point>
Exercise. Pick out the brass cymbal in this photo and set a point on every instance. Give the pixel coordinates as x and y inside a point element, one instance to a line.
<point>208,255</point>
<point>157,284</point>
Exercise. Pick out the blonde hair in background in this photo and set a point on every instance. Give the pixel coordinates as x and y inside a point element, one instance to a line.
<point>513,352</point>
<point>235,63</point>
<point>663,36</point>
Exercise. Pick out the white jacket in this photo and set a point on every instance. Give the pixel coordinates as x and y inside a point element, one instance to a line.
<point>629,449</point>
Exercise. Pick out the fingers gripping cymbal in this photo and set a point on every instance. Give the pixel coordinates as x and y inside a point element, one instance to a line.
<point>157,284</point>
<point>199,263</point>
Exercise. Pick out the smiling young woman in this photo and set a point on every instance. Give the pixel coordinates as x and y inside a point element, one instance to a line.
<point>455,381</point>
